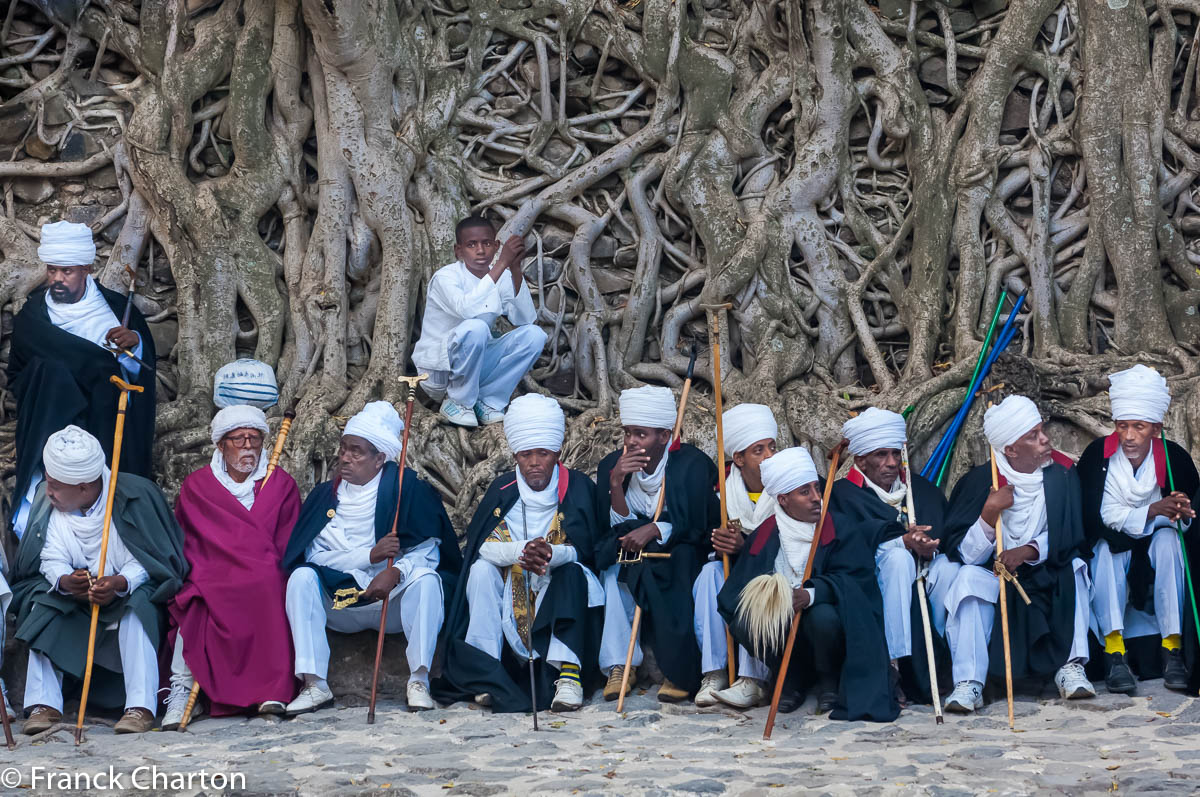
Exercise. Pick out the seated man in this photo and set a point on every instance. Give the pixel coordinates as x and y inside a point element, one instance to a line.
<point>840,649</point>
<point>532,537</point>
<point>1038,504</point>
<point>230,628</point>
<point>474,371</point>
<point>349,530</point>
<point>874,496</point>
<point>658,495</point>
<point>749,436</point>
<point>56,582</point>
<point>1129,514</point>
<point>63,343</point>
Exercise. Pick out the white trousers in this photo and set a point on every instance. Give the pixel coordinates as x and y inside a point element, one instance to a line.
<point>485,369</point>
<point>710,627</point>
<point>1110,598</point>
<point>618,623</point>
<point>485,599</point>
<point>414,607</point>
<point>896,570</point>
<point>139,665</point>
<point>971,608</point>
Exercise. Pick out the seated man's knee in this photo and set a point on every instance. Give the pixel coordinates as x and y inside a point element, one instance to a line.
<point>302,579</point>
<point>482,575</point>
<point>531,337</point>
<point>473,331</point>
<point>898,563</point>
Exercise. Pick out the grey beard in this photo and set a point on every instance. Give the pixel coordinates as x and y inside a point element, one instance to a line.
<point>245,464</point>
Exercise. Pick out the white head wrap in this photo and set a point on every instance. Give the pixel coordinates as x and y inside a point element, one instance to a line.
<point>873,430</point>
<point>239,416</point>
<point>534,421</point>
<point>648,406</point>
<point>746,424</point>
<point>245,381</point>
<point>1009,420</point>
<point>787,470</point>
<point>1139,394</point>
<point>380,424</point>
<point>72,456</point>
<point>65,243</point>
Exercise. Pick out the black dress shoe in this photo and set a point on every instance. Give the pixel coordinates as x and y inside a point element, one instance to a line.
<point>1118,677</point>
<point>790,699</point>
<point>826,702</point>
<point>1175,674</point>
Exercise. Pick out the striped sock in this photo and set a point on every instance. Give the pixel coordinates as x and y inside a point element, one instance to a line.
<point>1115,643</point>
<point>1172,642</point>
<point>570,672</point>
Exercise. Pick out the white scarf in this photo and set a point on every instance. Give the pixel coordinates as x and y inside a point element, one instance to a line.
<point>89,318</point>
<point>895,498</point>
<point>1026,518</point>
<point>352,526</point>
<point>642,495</point>
<point>795,541</point>
<point>1125,490</point>
<point>80,535</point>
<point>742,508</point>
<point>242,491</point>
<point>533,512</point>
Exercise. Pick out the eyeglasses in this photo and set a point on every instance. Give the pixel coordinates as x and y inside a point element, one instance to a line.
<point>245,440</point>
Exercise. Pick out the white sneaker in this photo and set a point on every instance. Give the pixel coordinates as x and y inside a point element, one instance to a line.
<point>966,697</point>
<point>271,707</point>
<point>483,699</point>
<point>311,698</point>
<point>745,693</point>
<point>1072,683</point>
<point>418,697</point>
<point>710,684</point>
<point>488,415</point>
<point>457,414</point>
<point>176,702</point>
<point>568,695</point>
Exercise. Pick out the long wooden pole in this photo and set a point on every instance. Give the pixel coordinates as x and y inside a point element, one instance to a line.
<point>715,336</point>
<point>812,554</point>
<point>934,692</point>
<point>1008,679</point>
<point>8,736</point>
<point>122,402</point>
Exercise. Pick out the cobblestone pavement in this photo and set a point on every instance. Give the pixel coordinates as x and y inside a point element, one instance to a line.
<point>1150,742</point>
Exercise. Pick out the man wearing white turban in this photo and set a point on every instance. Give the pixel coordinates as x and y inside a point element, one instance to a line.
<point>533,536</point>
<point>1130,515</point>
<point>235,527</point>
<point>349,528</point>
<point>840,652</point>
<point>1038,508</point>
<point>62,356</point>
<point>658,496</point>
<point>56,583</point>
<point>749,432</point>
<point>874,496</point>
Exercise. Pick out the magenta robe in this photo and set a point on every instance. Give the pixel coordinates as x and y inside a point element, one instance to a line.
<point>230,611</point>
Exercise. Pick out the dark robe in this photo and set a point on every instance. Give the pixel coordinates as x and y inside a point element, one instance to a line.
<point>422,516</point>
<point>1041,633</point>
<point>843,575</point>
<point>468,671</point>
<point>57,625</point>
<point>60,379</point>
<point>231,608</point>
<point>855,505</point>
<point>663,587</point>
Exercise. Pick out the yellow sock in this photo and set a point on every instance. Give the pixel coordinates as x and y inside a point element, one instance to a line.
<point>1172,642</point>
<point>1115,643</point>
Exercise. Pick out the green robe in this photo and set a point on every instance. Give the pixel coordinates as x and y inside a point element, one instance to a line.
<point>57,625</point>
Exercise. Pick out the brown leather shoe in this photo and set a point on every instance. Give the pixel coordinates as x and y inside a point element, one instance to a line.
<point>41,718</point>
<point>612,688</point>
<point>136,720</point>
<point>670,693</point>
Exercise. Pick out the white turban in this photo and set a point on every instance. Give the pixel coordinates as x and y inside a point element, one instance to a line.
<point>65,243</point>
<point>1009,420</point>
<point>746,424</point>
<point>534,421</point>
<point>72,456</point>
<point>1139,394</point>
<point>379,424</point>
<point>245,381</point>
<point>239,416</point>
<point>649,406</point>
<point>873,430</point>
<point>787,470</point>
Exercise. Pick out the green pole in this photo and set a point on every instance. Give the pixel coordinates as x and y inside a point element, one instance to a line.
<point>971,384</point>
<point>1187,571</point>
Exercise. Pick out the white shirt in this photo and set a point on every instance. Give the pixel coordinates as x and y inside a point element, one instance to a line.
<point>455,295</point>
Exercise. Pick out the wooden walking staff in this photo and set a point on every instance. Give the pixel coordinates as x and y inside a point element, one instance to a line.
<point>412,382</point>
<point>281,438</point>
<point>122,402</point>
<point>808,566</point>
<point>662,493</point>
<point>910,506</point>
<point>8,737</point>
<point>1008,679</point>
<point>714,319</point>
